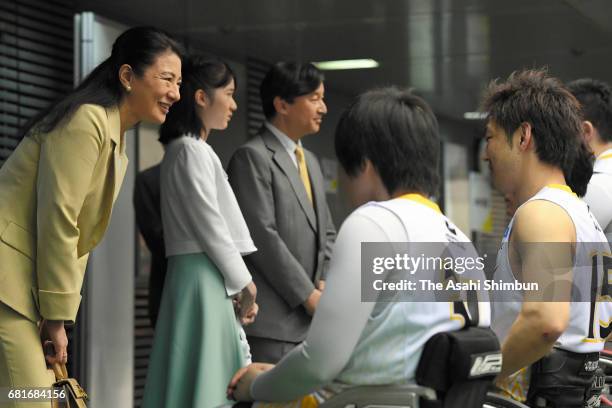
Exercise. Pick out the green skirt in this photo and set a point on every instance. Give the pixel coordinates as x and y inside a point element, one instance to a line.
<point>196,349</point>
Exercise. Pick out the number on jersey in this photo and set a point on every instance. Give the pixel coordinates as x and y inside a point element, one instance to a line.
<point>600,321</point>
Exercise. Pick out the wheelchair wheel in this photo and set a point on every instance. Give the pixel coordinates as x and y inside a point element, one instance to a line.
<point>494,400</point>
<point>605,363</point>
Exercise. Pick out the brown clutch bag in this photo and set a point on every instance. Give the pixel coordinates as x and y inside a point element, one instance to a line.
<point>75,395</point>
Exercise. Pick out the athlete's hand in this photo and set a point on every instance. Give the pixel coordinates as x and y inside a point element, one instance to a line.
<point>239,388</point>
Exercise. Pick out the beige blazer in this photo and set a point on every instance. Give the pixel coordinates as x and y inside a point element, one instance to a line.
<point>56,195</point>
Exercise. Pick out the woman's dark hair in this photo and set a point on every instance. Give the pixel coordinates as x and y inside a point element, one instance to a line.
<point>398,132</point>
<point>534,97</point>
<point>138,47</point>
<point>199,72</point>
<point>288,80</point>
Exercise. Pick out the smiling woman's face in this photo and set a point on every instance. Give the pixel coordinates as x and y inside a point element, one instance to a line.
<point>153,93</point>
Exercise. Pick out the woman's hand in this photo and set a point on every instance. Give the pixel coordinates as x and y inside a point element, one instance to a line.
<point>247,301</point>
<point>250,315</point>
<point>239,388</point>
<point>236,304</point>
<point>55,333</point>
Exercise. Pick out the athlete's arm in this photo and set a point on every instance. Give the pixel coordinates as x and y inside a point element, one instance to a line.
<point>336,326</point>
<point>540,251</point>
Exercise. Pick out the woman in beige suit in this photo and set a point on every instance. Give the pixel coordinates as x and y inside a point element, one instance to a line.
<point>57,191</point>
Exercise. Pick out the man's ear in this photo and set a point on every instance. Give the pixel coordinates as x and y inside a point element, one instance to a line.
<point>126,74</point>
<point>589,132</point>
<point>526,135</point>
<point>280,105</point>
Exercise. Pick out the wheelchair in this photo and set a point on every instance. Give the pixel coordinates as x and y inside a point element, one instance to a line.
<point>398,396</point>
<point>405,396</point>
<point>605,363</point>
<point>416,396</point>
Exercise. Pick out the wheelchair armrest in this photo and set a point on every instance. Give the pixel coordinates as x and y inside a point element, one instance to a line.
<point>494,400</point>
<point>389,396</point>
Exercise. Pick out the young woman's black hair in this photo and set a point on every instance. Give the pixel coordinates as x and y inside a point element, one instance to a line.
<point>199,72</point>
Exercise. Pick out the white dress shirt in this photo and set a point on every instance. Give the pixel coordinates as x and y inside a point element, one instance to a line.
<point>286,141</point>
<point>200,212</point>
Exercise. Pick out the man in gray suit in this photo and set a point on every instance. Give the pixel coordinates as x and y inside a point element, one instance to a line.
<point>279,187</point>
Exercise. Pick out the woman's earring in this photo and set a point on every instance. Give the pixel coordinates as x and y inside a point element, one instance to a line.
<point>128,88</point>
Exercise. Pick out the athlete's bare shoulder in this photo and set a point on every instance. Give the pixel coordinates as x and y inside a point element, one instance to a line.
<point>543,221</point>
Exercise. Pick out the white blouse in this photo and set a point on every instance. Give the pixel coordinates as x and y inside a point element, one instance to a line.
<point>200,212</point>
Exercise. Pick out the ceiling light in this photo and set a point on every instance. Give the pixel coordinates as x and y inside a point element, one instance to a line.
<point>346,64</point>
<point>474,115</point>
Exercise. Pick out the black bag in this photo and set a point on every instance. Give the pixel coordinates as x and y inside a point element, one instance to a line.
<point>565,379</point>
<point>460,365</point>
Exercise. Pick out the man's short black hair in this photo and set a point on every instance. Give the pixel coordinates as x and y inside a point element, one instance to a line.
<point>288,80</point>
<point>594,96</point>
<point>398,132</point>
<point>534,97</point>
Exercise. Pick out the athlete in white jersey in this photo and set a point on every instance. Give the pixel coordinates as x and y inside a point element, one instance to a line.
<point>581,335</point>
<point>354,342</point>
<point>599,192</point>
<point>538,157</point>
<point>596,99</point>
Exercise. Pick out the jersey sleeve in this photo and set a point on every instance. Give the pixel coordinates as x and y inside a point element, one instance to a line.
<point>336,327</point>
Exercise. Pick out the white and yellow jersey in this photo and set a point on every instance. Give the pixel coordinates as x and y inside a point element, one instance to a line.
<point>361,342</point>
<point>599,192</point>
<point>589,322</point>
<point>398,329</point>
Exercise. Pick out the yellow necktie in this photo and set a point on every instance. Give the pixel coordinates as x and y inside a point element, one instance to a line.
<point>299,154</point>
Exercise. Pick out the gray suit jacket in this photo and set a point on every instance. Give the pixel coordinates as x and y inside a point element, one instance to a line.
<point>293,239</point>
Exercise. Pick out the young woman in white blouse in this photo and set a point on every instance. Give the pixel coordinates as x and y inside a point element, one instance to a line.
<point>197,343</point>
